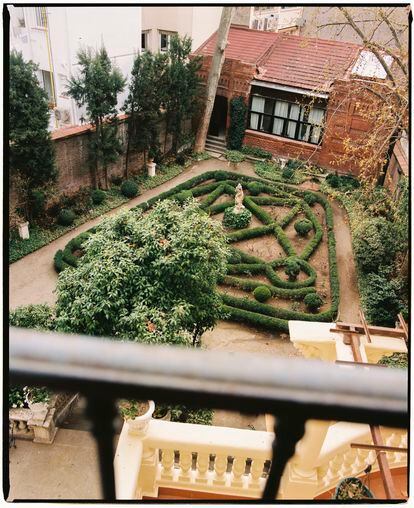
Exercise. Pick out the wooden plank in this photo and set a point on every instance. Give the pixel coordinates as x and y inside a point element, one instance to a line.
<point>377,447</point>
<point>364,324</point>
<point>384,467</point>
<point>396,333</point>
<point>365,364</point>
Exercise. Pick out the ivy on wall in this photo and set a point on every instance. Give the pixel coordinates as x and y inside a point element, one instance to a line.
<point>238,112</point>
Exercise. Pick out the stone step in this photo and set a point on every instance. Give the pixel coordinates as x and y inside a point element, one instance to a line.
<point>216,145</point>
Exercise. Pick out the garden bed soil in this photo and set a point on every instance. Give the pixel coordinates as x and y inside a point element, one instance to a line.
<point>265,247</point>
<point>276,212</point>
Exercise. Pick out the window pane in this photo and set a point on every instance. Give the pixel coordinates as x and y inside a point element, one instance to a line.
<point>304,132</point>
<point>294,112</point>
<point>143,40</point>
<point>47,84</point>
<point>258,104</point>
<point>164,42</point>
<point>316,117</point>
<point>266,124</point>
<point>254,121</point>
<point>269,106</point>
<point>281,108</point>
<point>40,13</point>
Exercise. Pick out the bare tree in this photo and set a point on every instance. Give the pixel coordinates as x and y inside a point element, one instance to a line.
<point>213,77</point>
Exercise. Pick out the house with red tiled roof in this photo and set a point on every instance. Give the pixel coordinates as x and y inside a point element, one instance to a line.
<point>298,90</point>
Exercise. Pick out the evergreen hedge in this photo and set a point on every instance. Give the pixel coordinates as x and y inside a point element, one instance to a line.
<point>238,113</point>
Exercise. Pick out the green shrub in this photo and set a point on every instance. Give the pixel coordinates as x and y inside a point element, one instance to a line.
<point>303,226</point>
<point>396,360</point>
<point>220,175</point>
<point>310,198</point>
<point>66,217</point>
<point>98,196</point>
<point>287,173</point>
<point>255,188</point>
<point>234,220</point>
<point>235,257</point>
<point>292,268</point>
<point>262,293</point>
<point>256,319</point>
<point>116,179</point>
<point>294,164</point>
<point>313,301</point>
<point>333,180</point>
<point>129,189</point>
<point>234,156</point>
<point>380,299</point>
<point>39,317</point>
<point>180,159</point>
<point>182,196</point>
<point>37,202</point>
<point>256,151</point>
<point>238,112</point>
<point>374,242</point>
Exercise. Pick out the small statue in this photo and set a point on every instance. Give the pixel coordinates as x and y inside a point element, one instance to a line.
<point>238,199</point>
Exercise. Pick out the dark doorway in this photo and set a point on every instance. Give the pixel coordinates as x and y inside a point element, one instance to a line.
<point>218,119</point>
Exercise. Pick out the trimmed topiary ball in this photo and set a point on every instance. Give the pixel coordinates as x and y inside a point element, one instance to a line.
<point>180,159</point>
<point>255,188</point>
<point>287,173</point>
<point>313,301</point>
<point>182,196</point>
<point>303,226</point>
<point>292,268</point>
<point>129,189</point>
<point>333,180</point>
<point>309,198</point>
<point>262,293</point>
<point>66,217</point>
<point>236,220</point>
<point>98,196</point>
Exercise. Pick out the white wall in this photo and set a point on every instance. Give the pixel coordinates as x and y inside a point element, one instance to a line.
<point>70,28</point>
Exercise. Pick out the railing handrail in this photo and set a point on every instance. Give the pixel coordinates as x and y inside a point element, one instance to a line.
<point>213,379</point>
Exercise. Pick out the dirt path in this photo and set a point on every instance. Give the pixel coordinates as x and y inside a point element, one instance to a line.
<point>33,278</point>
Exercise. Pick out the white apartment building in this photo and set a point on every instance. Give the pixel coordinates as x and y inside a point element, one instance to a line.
<point>274,18</point>
<point>159,23</point>
<point>51,37</point>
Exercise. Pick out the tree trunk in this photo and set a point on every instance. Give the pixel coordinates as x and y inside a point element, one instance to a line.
<point>395,136</point>
<point>213,78</point>
<point>126,173</point>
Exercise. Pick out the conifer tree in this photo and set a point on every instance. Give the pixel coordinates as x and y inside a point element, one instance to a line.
<point>31,153</point>
<point>97,88</point>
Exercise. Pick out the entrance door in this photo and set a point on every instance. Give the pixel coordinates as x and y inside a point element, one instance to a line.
<point>218,119</point>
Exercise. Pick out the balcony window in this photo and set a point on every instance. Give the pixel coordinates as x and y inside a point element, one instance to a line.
<point>40,17</point>
<point>165,39</point>
<point>144,41</point>
<point>46,83</point>
<point>287,119</point>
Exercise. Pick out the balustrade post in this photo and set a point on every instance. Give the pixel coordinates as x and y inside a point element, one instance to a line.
<point>203,460</point>
<point>167,462</point>
<point>239,467</point>
<point>186,460</point>
<point>220,468</point>
<point>256,472</point>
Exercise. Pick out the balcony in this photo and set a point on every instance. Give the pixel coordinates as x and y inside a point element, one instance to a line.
<point>306,455</point>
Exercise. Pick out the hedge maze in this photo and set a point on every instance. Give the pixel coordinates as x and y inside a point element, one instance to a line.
<point>247,272</point>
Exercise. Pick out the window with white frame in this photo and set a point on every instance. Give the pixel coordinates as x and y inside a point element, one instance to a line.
<point>165,38</point>
<point>287,119</point>
<point>40,17</point>
<point>46,82</point>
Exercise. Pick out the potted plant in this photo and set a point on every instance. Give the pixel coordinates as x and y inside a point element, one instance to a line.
<point>137,414</point>
<point>162,412</point>
<point>152,153</point>
<point>352,488</point>
<point>234,157</point>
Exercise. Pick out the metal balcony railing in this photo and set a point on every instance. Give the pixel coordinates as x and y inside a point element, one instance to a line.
<point>292,390</point>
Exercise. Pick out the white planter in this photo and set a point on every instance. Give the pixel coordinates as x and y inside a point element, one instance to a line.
<point>139,425</point>
<point>39,411</point>
<point>151,168</point>
<point>24,231</point>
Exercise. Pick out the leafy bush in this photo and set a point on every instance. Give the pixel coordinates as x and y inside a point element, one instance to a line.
<point>234,220</point>
<point>256,151</point>
<point>182,196</point>
<point>98,196</point>
<point>287,173</point>
<point>292,268</point>
<point>313,301</point>
<point>381,300</point>
<point>220,175</point>
<point>238,112</point>
<point>38,317</point>
<point>180,159</point>
<point>310,198</point>
<point>262,293</point>
<point>116,179</point>
<point>294,164</point>
<point>17,397</point>
<point>333,180</point>
<point>374,242</point>
<point>234,156</point>
<point>255,188</point>
<point>129,188</point>
<point>37,202</point>
<point>66,217</point>
<point>303,226</point>
<point>396,360</point>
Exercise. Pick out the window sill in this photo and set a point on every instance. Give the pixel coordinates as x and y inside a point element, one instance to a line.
<point>275,137</point>
<point>41,28</point>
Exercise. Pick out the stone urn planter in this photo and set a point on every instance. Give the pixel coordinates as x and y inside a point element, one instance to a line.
<point>24,230</point>
<point>137,425</point>
<point>151,168</point>
<point>352,488</point>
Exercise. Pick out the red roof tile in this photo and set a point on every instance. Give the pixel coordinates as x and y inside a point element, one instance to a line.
<point>288,59</point>
<point>307,63</point>
<point>243,44</point>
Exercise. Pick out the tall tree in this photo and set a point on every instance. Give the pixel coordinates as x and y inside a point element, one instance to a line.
<point>383,33</point>
<point>181,95</point>
<point>97,88</point>
<point>213,77</point>
<point>31,153</point>
<point>143,105</point>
